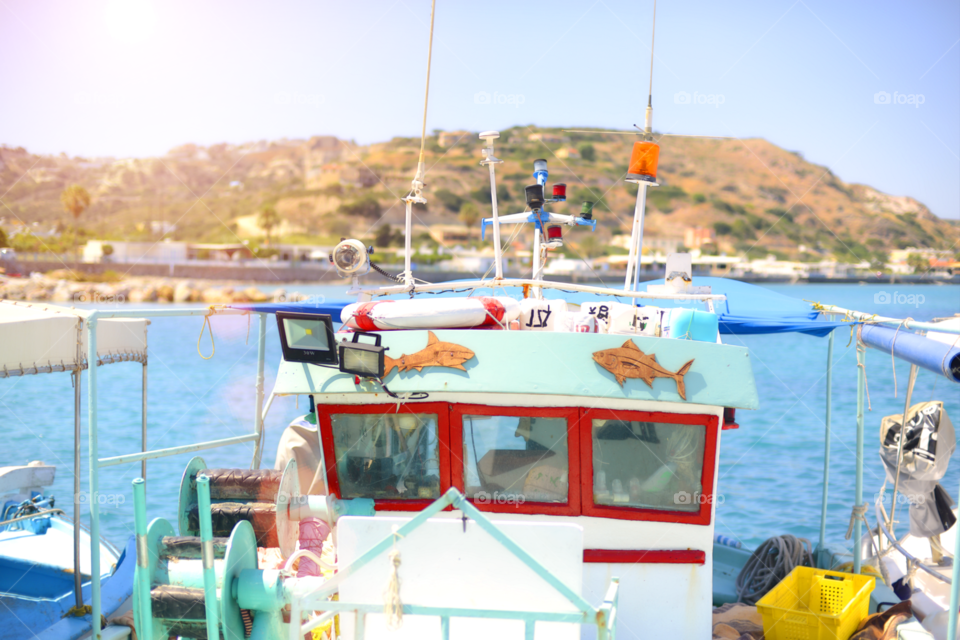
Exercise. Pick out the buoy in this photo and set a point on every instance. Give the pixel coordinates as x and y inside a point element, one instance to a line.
<point>440,313</point>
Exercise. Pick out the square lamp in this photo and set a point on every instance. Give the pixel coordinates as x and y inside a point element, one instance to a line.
<point>307,337</point>
<point>362,358</point>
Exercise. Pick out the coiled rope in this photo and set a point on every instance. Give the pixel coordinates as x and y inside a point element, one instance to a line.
<point>770,564</point>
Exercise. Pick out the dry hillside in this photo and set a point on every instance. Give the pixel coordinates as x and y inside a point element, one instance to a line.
<point>758,197</point>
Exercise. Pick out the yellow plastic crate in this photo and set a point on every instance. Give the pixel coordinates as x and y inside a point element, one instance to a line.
<point>815,604</point>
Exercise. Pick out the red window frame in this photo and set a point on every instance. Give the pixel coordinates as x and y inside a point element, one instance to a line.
<point>572,414</point>
<point>440,409</point>
<point>702,517</point>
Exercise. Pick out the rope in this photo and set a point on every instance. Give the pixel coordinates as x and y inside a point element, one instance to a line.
<point>393,606</point>
<point>426,92</point>
<point>416,185</point>
<point>206,323</point>
<point>860,513</point>
<point>893,360</point>
<point>857,512</point>
<point>770,564</point>
<point>903,435</point>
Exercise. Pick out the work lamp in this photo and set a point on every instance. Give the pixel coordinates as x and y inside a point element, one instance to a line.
<point>362,358</point>
<point>307,337</point>
<point>350,258</point>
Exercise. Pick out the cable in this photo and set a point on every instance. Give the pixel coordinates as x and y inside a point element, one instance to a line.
<point>770,564</point>
<point>384,274</point>
<point>417,395</point>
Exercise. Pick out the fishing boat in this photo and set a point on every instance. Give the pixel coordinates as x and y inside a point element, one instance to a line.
<point>516,457</point>
<point>486,458</point>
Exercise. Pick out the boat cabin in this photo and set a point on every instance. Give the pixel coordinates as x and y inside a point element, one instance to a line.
<point>618,434</point>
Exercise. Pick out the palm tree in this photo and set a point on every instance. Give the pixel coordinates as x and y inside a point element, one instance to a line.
<point>469,215</point>
<point>267,220</point>
<point>75,200</point>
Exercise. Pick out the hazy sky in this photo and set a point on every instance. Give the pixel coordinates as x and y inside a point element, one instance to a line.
<point>870,89</point>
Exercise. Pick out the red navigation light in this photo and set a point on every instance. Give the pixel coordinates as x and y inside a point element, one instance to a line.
<point>554,233</point>
<point>560,192</point>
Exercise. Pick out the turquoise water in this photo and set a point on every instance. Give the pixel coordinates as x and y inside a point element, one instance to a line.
<point>770,469</point>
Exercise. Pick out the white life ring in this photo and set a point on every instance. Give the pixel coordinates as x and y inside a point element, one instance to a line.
<point>438,313</point>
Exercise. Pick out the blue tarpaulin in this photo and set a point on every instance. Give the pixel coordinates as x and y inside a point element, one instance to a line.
<point>748,308</point>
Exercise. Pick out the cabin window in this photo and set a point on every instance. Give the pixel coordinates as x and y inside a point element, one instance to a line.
<point>387,456</point>
<point>515,459</point>
<point>650,465</point>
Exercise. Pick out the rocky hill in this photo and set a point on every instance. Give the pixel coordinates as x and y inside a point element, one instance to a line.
<point>755,196</point>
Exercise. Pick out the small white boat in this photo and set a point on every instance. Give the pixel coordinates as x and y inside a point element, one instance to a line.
<point>48,565</point>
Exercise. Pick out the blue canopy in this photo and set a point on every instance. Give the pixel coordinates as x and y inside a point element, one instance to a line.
<point>748,308</point>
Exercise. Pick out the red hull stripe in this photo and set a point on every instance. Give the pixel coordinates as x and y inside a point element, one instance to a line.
<point>362,316</point>
<point>633,556</point>
<point>495,311</point>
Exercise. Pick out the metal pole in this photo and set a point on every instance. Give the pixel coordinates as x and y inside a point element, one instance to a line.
<point>537,267</point>
<point>631,256</point>
<point>143,560</point>
<point>94,472</point>
<point>206,554</point>
<point>826,452</point>
<point>639,213</point>
<point>77,576</point>
<point>861,392</point>
<point>954,589</point>
<point>258,415</point>
<point>143,424</point>
<point>408,243</point>
<point>497,248</point>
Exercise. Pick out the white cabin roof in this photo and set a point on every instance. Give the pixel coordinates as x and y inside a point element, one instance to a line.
<point>40,338</point>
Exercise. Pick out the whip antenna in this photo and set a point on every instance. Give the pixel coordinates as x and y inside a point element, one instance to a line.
<point>648,116</point>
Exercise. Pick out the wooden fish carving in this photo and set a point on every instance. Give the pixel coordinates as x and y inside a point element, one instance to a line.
<point>629,362</point>
<point>435,354</point>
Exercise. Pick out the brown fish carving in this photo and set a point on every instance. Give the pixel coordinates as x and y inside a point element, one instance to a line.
<point>629,362</point>
<point>435,354</point>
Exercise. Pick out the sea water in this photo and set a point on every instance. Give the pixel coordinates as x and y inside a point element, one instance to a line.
<point>771,468</point>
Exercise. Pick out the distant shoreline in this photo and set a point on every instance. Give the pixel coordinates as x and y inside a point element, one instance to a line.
<point>174,290</point>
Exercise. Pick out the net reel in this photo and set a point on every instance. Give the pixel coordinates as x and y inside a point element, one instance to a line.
<point>169,596</point>
<point>269,500</point>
